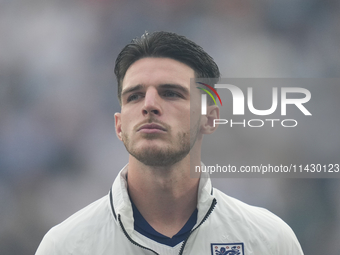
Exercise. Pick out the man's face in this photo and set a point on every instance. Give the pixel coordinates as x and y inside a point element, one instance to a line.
<point>154,122</point>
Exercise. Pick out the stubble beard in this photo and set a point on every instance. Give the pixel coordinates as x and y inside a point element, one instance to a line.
<point>168,155</point>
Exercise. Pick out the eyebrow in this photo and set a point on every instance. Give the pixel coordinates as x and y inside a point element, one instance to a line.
<point>132,89</point>
<point>162,86</point>
<point>175,86</point>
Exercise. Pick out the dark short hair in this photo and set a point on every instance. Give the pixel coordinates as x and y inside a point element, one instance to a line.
<point>166,45</point>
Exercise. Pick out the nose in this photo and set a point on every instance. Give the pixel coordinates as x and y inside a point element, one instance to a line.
<point>152,102</point>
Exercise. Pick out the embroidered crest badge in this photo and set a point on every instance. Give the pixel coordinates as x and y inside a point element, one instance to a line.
<point>227,249</point>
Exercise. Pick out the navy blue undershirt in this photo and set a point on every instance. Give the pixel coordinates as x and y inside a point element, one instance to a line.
<point>144,228</point>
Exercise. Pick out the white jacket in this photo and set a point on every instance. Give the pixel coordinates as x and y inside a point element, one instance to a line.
<point>225,226</point>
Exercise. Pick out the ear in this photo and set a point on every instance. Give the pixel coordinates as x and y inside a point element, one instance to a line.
<point>207,127</point>
<point>118,125</point>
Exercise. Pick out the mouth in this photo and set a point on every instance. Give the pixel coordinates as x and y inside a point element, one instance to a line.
<point>151,128</point>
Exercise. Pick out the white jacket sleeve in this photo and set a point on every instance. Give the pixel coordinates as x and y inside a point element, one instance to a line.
<point>288,243</point>
<point>46,247</point>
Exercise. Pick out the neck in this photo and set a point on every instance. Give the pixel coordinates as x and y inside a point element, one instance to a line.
<point>165,196</point>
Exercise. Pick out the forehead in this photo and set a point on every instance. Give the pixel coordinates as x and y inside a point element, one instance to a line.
<point>156,71</point>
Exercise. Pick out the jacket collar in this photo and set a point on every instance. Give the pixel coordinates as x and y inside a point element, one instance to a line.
<point>121,204</point>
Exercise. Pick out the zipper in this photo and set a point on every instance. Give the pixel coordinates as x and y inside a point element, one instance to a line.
<point>214,202</point>
<point>131,240</point>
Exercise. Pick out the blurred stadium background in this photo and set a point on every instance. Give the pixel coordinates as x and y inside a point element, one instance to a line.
<point>58,149</point>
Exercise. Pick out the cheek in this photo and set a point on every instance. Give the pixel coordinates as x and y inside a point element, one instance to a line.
<point>195,113</point>
<point>187,118</point>
<point>126,123</point>
<point>127,116</point>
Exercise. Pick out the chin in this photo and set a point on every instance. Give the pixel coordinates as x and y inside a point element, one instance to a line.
<point>153,148</point>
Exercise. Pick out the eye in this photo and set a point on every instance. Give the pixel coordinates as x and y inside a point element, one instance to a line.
<point>133,97</point>
<point>170,93</point>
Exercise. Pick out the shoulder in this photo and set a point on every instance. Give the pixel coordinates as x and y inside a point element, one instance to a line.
<point>241,211</point>
<point>79,229</point>
<point>253,221</point>
<point>95,215</point>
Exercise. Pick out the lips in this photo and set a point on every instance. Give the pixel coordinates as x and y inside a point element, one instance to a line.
<point>151,127</point>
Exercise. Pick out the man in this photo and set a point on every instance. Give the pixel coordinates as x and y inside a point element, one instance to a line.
<point>154,206</point>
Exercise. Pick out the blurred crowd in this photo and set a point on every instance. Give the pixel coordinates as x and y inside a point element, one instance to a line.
<point>58,149</point>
